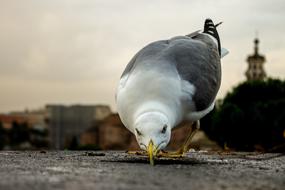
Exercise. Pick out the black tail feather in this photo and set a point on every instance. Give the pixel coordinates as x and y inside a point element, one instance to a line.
<point>210,28</point>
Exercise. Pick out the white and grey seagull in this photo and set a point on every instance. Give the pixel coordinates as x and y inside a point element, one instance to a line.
<point>169,82</point>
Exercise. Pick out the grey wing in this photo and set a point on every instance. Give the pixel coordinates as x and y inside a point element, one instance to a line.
<point>130,66</point>
<point>198,62</point>
<point>148,52</point>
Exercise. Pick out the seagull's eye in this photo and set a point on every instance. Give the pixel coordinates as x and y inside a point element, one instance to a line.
<point>138,132</point>
<point>164,129</point>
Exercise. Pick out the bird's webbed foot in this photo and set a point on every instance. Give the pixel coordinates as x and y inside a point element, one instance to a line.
<point>140,153</point>
<point>176,154</point>
<point>182,151</point>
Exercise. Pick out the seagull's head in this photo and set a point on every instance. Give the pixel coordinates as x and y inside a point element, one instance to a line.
<point>152,132</point>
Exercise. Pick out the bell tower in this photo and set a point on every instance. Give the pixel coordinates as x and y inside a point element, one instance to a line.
<point>255,62</point>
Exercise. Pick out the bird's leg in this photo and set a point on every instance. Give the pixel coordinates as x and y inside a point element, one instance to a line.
<point>186,145</point>
<point>194,128</point>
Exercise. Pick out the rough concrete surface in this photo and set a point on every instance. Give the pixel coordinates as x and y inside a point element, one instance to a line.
<point>118,170</point>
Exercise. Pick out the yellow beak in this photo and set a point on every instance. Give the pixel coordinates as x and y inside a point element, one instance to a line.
<point>150,150</point>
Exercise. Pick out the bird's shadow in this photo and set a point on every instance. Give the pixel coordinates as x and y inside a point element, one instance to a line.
<point>157,161</point>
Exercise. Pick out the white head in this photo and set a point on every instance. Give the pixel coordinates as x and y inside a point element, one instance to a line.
<point>152,131</point>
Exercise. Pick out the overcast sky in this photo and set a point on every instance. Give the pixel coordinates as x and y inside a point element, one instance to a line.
<point>74,51</point>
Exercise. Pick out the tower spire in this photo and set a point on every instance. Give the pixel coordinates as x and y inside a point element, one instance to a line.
<point>256,42</point>
<point>256,61</point>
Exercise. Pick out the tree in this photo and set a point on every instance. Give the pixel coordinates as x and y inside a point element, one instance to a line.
<point>74,143</point>
<point>250,117</point>
<point>39,138</point>
<point>19,133</point>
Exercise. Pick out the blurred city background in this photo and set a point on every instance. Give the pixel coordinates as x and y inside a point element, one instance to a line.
<point>60,63</point>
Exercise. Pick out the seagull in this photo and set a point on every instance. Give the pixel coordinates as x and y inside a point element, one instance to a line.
<point>169,82</point>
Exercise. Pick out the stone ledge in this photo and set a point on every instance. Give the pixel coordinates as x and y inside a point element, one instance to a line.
<point>117,170</point>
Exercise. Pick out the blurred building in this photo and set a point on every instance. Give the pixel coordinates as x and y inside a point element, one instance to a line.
<point>67,123</point>
<point>111,134</point>
<point>7,120</point>
<point>255,62</point>
<point>25,130</point>
<point>82,127</point>
<point>34,118</point>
